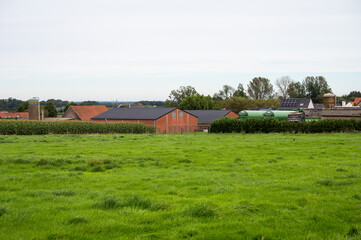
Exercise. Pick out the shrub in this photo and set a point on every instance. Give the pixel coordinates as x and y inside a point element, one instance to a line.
<point>13,127</point>
<point>229,125</point>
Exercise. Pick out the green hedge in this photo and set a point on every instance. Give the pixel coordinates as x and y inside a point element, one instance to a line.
<point>229,125</point>
<point>19,127</point>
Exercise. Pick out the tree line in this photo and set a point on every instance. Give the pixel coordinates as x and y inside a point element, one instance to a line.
<point>260,93</point>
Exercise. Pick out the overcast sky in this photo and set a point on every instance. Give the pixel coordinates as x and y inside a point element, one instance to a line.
<point>143,49</point>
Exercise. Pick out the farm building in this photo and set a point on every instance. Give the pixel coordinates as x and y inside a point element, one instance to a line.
<point>165,120</point>
<point>83,113</point>
<point>14,115</point>
<point>296,103</point>
<point>205,117</point>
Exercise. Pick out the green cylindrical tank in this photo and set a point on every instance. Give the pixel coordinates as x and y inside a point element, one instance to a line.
<point>249,114</point>
<point>280,115</point>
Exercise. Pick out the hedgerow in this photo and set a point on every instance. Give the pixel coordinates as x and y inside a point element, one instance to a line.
<point>16,127</point>
<point>229,125</point>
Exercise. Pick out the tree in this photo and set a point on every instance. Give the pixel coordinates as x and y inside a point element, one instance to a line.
<point>226,93</point>
<point>237,104</point>
<point>315,88</point>
<point>240,91</point>
<point>283,84</point>
<point>23,107</point>
<point>197,102</point>
<point>260,88</point>
<point>176,96</point>
<point>70,104</point>
<point>296,90</point>
<point>50,110</point>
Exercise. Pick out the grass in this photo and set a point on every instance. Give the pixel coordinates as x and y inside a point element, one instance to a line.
<point>185,186</point>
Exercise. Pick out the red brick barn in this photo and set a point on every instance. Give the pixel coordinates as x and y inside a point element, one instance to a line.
<point>165,120</point>
<point>205,117</point>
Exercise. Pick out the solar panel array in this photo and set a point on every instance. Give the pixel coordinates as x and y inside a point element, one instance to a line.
<point>289,102</point>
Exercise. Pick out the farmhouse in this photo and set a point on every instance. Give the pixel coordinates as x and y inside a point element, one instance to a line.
<point>296,103</point>
<point>165,120</point>
<point>205,117</point>
<point>83,113</point>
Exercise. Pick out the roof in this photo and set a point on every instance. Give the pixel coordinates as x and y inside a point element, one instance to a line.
<point>14,114</point>
<point>134,113</point>
<point>295,103</point>
<point>329,95</point>
<point>208,115</point>
<point>319,106</point>
<point>357,101</point>
<point>85,113</point>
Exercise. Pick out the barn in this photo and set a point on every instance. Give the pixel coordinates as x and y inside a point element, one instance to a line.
<point>205,117</point>
<point>83,113</point>
<point>165,120</point>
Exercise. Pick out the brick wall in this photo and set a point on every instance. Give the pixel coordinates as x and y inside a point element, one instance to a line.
<point>174,122</point>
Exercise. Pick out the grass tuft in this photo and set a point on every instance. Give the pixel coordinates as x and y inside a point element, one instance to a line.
<point>200,211</point>
<point>107,203</point>
<point>325,182</point>
<point>66,193</point>
<point>42,162</point>
<point>353,232</point>
<point>76,220</point>
<point>2,210</point>
<point>98,168</point>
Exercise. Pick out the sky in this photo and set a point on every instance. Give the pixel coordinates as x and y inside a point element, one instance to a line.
<point>124,50</point>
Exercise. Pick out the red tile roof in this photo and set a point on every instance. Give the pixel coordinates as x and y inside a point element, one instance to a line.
<point>357,101</point>
<point>87,112</point>
<point>14,115</point>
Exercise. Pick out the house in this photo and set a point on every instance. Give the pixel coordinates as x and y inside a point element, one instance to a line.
<point>84,113</point>
<point>165,120</point>
<point>296,103</point>
<point>14,115</point>
<point>205,117</point>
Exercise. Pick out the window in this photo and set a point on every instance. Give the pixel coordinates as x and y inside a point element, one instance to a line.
<point>180,114</point>
<point>174,114</point>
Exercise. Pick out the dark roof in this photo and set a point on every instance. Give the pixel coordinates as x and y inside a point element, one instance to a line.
<point>294,103</point>
<point>208,115</point>
<point>134,113</point>
<point>319,106</point>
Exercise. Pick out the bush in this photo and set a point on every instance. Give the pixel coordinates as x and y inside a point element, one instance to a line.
<point>229,125</point>
<point>15,127</point>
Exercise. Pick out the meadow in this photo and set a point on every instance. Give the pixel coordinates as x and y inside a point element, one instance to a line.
<point>181,186</point>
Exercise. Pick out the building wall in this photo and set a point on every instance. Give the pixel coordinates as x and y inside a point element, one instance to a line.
<point>71,114</point>
<point>174,122</point>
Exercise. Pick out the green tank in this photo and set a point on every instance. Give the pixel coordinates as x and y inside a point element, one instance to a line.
<point>251,114</point>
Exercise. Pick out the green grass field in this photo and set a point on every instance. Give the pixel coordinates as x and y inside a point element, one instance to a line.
<point>196,186</point>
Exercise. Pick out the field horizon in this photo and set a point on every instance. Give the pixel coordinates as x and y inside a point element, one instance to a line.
<point>181,186</point>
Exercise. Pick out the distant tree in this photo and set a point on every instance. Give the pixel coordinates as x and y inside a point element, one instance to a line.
<point>240,92</point>
<point>88,103</point>
<point>260,88</point>
<point>10,104</point>
<point>198,102</point>
<point>176,96</point>
<point>70,104</point>
<point>225,93</point>
<point>23,107</point>
<point>236,104</point>
<point>283,84</point>
<point>315,88</point>
<point>50,110</point>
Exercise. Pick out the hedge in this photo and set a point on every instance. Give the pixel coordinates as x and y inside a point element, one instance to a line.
<point>20,127</point>
<point>229,125</point>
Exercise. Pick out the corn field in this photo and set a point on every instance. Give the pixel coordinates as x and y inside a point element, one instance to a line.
<point>16,127</point>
